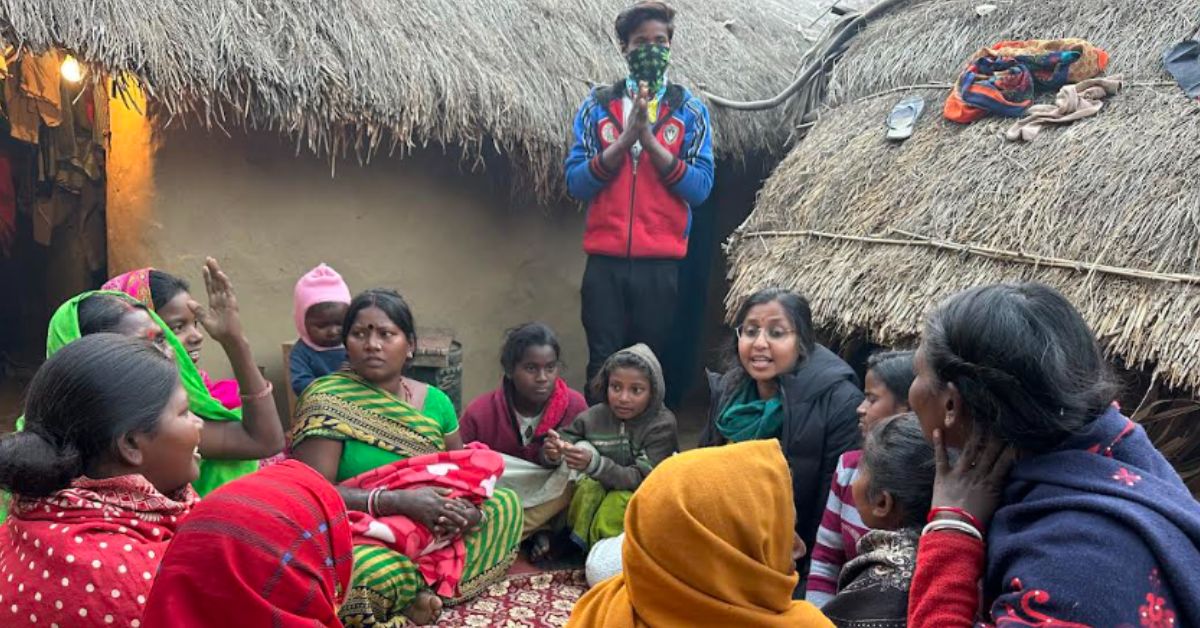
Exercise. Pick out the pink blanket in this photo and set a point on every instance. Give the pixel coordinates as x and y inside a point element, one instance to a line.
<point>469,473</point>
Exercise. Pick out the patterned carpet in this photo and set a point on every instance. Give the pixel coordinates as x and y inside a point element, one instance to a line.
<point>529,600</point>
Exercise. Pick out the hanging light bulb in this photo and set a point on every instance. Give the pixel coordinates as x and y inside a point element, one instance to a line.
<point>72,70</point>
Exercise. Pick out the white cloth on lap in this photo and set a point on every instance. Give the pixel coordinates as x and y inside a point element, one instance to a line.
<point>535,484</point>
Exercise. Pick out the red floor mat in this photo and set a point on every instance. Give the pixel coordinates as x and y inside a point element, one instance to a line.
<point>530,600</point>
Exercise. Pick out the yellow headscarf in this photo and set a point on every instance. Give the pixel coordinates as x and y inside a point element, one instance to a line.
<point>708,541</point>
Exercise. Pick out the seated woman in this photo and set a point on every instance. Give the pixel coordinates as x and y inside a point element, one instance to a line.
<point>170,297</point>
<point>351,423</point>
<point>101,477</point>
<point>889,375</point>
<point>230,445</point>
<point>515,419</point>
<point>1093,526</point>
<point>270,549</point>
<point>892,490</point>
<point>784,385</point>
<point>234,440</point>
<point>722,556</point>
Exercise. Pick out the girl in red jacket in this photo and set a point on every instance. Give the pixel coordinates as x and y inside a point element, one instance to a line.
<point>515,418</point>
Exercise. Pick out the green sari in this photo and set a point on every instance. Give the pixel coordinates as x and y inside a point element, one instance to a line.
<point>376,428</point>
<point>64,329</point>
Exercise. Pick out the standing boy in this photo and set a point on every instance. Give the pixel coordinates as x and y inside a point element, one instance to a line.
<point>642,159</point>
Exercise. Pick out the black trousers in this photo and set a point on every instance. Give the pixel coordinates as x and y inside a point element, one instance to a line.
<point>627,301</point>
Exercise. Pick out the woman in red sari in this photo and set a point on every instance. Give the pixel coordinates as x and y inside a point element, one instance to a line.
<point>101,476</point>
<point>269,549</point>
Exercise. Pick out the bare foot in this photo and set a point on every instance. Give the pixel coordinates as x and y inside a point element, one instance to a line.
<point>424,609</point>
<point>540,546</point>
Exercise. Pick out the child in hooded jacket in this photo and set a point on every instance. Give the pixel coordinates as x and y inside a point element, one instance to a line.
<point>615,444</point>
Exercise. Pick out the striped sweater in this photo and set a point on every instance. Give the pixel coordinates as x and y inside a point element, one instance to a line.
<point>628,450</point>
<point>837,538</point>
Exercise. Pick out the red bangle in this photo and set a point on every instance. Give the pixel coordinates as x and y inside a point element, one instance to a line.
<point>970,518</point>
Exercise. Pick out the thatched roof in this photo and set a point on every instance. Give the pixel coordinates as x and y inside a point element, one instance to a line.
<point>344,76</point>
<point>1107,210</point>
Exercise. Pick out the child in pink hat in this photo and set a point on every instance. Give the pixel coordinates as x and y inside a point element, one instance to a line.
<point>321,300</point>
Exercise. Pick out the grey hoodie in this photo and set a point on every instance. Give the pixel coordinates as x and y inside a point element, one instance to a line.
<point>629,450</point>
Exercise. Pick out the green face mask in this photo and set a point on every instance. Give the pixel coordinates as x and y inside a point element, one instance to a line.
<point>649,63</point>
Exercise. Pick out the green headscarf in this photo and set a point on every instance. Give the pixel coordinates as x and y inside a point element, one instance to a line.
<point>749,418</point>
<point>64,329</point>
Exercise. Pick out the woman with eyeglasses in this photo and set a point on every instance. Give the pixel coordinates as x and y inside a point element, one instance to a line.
<point>782,384</point>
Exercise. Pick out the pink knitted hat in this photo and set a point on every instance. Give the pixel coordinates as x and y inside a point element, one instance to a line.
<point>319,285</point>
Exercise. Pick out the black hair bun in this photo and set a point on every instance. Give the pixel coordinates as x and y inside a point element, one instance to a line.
<point>32,466</point>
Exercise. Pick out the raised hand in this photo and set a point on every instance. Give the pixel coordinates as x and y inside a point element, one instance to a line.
<point>221,318</point>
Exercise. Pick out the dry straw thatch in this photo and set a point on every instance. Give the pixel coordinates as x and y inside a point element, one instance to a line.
<point>1106,210</point>
<point>347,76</point>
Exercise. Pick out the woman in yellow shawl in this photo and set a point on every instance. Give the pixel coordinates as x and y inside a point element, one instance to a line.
<point>708,542</point>
<point>356,421</point>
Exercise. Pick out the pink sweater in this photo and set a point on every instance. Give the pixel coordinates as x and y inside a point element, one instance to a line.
<point>837,538</point>
<point>225,391</point>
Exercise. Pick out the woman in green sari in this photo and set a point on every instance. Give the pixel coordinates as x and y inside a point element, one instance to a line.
<point>354,421</point>
<point>232,441</point>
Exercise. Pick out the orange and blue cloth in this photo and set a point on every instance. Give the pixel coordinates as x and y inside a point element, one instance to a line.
<point>1003,79</point>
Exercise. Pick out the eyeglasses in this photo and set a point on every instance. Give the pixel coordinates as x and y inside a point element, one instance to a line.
<point>752,332</point>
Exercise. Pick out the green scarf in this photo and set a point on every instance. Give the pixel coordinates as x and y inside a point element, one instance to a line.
<point>375,427</point>
<point>749,418</point>
<point>64,329</point>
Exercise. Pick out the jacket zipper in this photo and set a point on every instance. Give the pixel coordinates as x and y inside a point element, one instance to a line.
<point>632,191</point>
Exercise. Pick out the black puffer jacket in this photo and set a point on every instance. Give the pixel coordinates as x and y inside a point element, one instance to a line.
<point>820,401</point>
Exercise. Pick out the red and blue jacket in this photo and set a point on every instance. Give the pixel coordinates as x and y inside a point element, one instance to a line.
<point>635,211</point>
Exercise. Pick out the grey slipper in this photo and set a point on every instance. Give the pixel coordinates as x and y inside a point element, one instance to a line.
<point>904,116</point>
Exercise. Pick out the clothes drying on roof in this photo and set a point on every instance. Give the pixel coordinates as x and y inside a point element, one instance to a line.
<point>1081,100</point>
<point>1003,79</point>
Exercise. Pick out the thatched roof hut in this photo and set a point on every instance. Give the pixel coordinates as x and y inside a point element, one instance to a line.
<point>1106,210</point>
<point>252,101</point>
<point>351,76</point>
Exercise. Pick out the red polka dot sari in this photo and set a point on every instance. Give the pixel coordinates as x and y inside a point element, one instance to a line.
<point>87,554</point>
